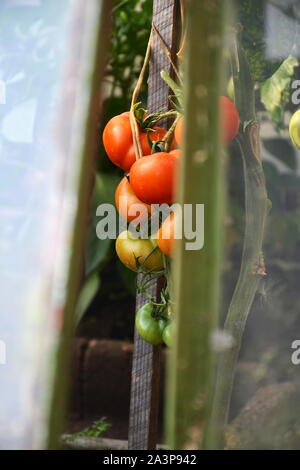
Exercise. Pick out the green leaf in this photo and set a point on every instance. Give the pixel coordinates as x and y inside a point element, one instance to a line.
<point>177,89</point>
<point>95,430</point>
<point>275,91</point>
<point>104,192</point>
<point>87,294</point>
<point>283,151</point>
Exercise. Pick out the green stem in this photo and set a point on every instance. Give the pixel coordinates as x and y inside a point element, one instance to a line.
<point>252,268</point>
<point>154,118</point>
<point>169,135</point>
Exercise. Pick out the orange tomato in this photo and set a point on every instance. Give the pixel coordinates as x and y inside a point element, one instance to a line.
<point>165,235</point>
<point>179,131</point>
<point>230,119</point>
<point>125,199</point>
<point>118,141</point>
<point>153,177</point>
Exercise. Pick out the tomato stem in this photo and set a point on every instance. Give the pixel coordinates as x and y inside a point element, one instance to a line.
<point>169,135</point>
<point>180,53</point>
<point>152,119</point>
<point>133,121</point>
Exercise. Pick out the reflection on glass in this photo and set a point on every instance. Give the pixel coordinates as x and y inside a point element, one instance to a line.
<point>264,409</point>
<point>32,46</point>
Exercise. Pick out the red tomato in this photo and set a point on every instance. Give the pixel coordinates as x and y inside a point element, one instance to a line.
<point>178,131</point>
<point>230,119</point>
<point>118,142</point>
<point>176,153</point>
<point>165,235</point>
<point>125,198</point>
<point>152,177</point>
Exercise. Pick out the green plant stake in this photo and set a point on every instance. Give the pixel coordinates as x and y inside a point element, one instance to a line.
<point>196,272</point>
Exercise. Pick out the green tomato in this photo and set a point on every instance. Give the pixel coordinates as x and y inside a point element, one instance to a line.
<point>294,128</point>
<point>149,328</point>
<point>167,334</point>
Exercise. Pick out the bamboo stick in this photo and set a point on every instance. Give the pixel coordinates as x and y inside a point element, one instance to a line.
<point>196,273</point>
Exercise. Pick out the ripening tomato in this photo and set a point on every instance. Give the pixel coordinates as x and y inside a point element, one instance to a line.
<point>165,235</point>
<point>152,177</point>
<point>230,119</point>
<point>179,131</point>
<point>128,205</point>
<point>294,128</point>
<point>176,153</point>
<point>148,327</point>
<point>134,252</point>
<point>118,141</point>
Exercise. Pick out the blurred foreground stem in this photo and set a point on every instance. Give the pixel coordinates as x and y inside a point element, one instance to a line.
<point>196,270</point>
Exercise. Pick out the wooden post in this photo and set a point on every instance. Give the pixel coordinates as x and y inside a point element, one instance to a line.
<point>145,382</point>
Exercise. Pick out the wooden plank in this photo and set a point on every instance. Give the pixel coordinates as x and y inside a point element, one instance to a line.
<point>95,443</point>
<point>145,384</point>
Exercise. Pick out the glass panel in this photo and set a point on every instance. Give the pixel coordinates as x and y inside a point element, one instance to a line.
<point>264,312</point>
<point>33,38</point>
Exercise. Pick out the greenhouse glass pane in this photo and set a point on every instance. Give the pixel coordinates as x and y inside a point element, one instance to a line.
<point>33,39</point>
<point>260,307</point>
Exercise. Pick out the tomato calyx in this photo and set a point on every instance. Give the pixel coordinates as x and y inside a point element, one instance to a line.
<point>156,146</point>
<point>140,115</point>
<point>162,308</point>
<point>156,313</point>
<point>147,124</point>
<point>140,267</point>
<point>138,254</point>
<point>147,121</point>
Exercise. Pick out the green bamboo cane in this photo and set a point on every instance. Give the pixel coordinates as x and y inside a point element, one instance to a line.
<point>196,273</point>
<point>252,265</point>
